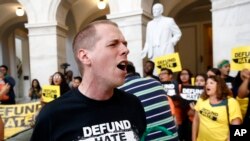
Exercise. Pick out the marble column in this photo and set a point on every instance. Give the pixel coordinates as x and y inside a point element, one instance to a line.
<point>47,49</point>
<point>231,27</point>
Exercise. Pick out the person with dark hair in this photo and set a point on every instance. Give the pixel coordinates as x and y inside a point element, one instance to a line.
<point>184,78</point>
<point>35,91</point>
<point>149,70</point>
<point>59,80</point>
<point>11,82</point>
<point>166,75</point>
<point>96,110</point>
<point>200,79</point>
<point>171,87</point>
<point>151,93</point>
<point>215,110</point>
<point>213,71</point>
<point>76,81</point>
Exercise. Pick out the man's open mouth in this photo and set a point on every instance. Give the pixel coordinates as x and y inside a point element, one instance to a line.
<point>122,65</point>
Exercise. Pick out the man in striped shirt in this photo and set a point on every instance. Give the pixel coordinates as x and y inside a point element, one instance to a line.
<point>160,122</point>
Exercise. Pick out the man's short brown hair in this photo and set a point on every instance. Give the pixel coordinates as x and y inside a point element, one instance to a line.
<point>87,37</point>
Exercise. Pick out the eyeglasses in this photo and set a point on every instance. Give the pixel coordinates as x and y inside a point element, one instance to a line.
<point>57,76</point>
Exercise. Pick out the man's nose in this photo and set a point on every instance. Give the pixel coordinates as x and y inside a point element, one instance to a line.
<point>125,50</point>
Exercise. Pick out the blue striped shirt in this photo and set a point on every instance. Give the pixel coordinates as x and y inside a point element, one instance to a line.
<point>157,109</point>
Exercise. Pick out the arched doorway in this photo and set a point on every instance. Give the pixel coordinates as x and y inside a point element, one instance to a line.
<point>14,46</point>
<point>195,46</point>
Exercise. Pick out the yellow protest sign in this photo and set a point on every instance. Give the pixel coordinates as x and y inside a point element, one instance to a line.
<point>50,92</point>
<point>18,117</point>
<point>171,61</point>
<point>240,58</point>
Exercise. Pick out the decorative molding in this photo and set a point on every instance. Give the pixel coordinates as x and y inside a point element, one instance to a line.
<point>44,29</point>
<point>129,14</point>
<point>130,19</point>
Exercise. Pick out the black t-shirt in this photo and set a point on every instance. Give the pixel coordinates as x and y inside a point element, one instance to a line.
<point>74,117</point>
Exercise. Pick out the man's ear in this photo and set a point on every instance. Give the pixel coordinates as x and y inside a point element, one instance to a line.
<point>83,56</point>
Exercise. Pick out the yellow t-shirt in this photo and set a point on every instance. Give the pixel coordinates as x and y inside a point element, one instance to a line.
<point>243,105</point>
<point>213,125</point>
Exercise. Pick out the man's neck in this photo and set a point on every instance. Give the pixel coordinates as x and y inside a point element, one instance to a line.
<point>94,90</point>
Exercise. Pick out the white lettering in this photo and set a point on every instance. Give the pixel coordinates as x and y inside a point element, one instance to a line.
<point>96,130</point>
<point>169,86</point>
<point>99,129</point>
<point>102,127</point>
<point>87,132</point>
<point>191,91</point>
<point>243,131</point>
<point>127,124</point>
<point>240,132</point>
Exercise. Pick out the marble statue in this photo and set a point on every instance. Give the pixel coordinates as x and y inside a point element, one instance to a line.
<point>162,34</point>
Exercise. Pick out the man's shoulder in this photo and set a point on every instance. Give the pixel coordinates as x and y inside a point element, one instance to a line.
<point>122,93</point>
<point>9,79</point>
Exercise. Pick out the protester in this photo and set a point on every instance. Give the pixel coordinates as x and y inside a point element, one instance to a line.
<point>213,71</point>
<point>149,69</point>
<point>244,95</point>
<point>76,81</point>
<point>35,91</point>
<point>215,110</point>
<point>151,93</point>
<point>11,82</point>
<point>200,79</point>
<point>171,87</point>
<point>184,78</point>
<point>4,88</point>
<point>58,79</point>
<point>224,67</point>
<point>97,110</point>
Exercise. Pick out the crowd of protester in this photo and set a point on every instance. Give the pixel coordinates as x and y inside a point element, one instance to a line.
<point>190,124</point>
<point>162,115</point>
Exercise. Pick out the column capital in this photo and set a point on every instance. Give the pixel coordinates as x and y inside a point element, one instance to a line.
<point>38,29</point>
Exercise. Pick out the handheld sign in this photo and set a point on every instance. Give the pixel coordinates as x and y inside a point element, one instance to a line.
<point>170,88</point>
<point>170,61</point>
<point>191,92</point>
<point>50,92</point>
<point>240,58</point>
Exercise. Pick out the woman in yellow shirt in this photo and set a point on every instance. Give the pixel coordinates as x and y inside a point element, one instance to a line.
<point>211,118</point>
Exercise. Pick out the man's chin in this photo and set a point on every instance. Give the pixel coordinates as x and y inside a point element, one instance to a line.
<point>120,83</point>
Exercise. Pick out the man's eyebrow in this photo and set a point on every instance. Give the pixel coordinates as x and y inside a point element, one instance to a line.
<point>125,43</point>
<point>118,40</point>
